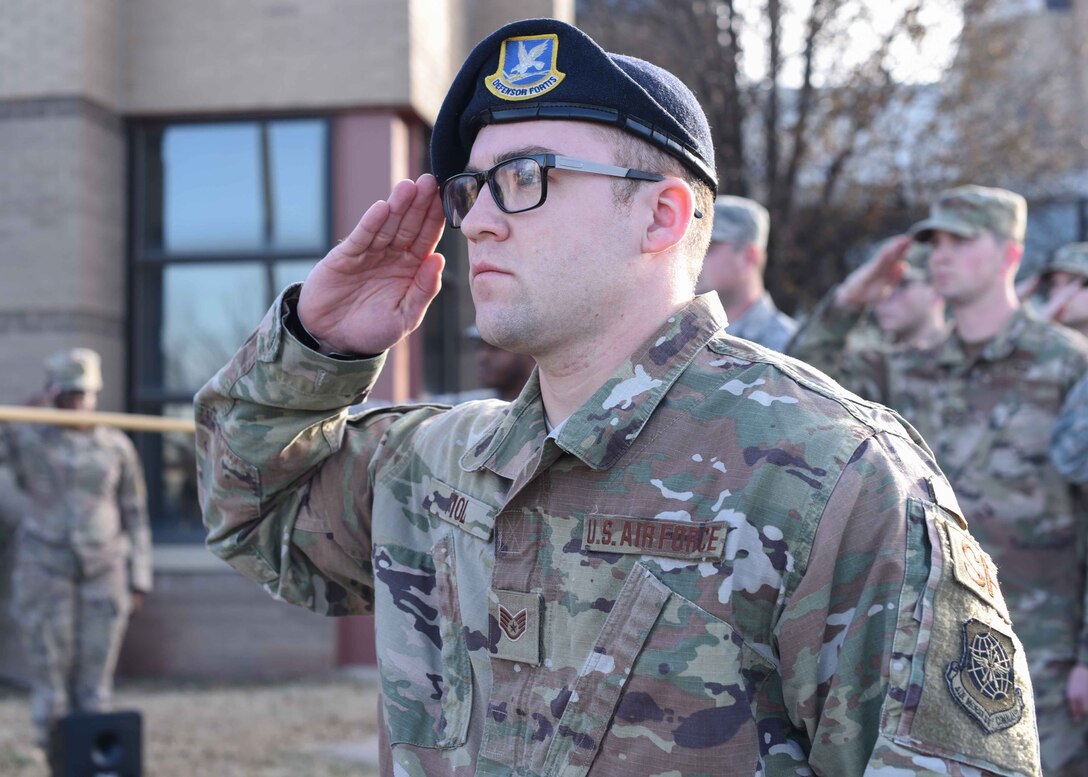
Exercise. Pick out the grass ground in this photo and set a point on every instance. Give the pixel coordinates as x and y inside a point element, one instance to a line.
<point>325,726</point>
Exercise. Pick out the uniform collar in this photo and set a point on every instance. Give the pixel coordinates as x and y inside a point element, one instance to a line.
<point>1000,346</point>
<point>755,319</point>
<point>602,429</point>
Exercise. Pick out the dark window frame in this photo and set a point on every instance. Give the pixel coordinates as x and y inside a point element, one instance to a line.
<point>145,269</point>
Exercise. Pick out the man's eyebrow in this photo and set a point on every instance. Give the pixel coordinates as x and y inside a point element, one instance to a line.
<point>511,154</point>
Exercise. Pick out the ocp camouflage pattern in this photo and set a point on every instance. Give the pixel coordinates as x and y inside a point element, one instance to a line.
<point>989,419</point>
<point>809,634</point>
<point>83,544</point>
<point>1069,438</point>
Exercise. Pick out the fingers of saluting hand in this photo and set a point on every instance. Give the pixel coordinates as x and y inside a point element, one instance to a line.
<point>401,222</point>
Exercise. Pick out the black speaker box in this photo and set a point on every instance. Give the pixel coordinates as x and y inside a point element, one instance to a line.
<point>97,744</point>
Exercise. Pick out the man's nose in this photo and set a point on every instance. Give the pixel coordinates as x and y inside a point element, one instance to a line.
<point>484,217</point>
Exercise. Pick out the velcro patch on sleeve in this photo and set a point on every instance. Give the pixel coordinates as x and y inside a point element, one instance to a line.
<point>968,698</point>
<point>973,568</point>
<point>650,537</point>
<point>983,679</point>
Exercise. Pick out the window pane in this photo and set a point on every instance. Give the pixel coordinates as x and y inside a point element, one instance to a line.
<point>294,271</point>
<point>170,467</point>
<point>298,188</point>
<point>208,312</point>
<point>242,186</point>
<point>212,188</point>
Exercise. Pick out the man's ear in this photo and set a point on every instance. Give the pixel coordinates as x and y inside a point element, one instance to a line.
<point>751,256</point>
<point>1013,253</point>
<point>672,207</point>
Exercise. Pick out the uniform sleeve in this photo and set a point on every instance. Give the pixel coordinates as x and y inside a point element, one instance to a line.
<point>13,500</point>
<point>132,498</point>
<point>869,636</point>
<point>1069,455</point>
<point>284,479</point>
<point>1069,440</point>
<point>822,342</point>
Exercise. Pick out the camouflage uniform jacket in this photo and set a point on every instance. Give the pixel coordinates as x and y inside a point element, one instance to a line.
<point>988,420</point>
<point>765,324</point>
<point>84,499</point>
<point>721,564</point>
<point>1069,440</point>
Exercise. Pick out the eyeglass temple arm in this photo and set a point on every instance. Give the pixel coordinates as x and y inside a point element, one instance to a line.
<point>567,163</point>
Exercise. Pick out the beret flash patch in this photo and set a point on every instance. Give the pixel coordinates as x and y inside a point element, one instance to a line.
<point>982,681</point>
<point>527,68</point>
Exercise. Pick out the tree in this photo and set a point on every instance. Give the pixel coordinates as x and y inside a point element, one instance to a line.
<point>834,113</point>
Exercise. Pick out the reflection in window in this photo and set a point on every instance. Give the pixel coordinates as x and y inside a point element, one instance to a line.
<point>242,186</point>
<point>208,311</point>
<point>226,215</point>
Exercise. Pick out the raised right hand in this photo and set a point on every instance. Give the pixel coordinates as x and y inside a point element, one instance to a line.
<point>373,288</point>
<point>868,284</point>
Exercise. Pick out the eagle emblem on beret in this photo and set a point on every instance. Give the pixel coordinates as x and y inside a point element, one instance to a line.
<point>527,68</point>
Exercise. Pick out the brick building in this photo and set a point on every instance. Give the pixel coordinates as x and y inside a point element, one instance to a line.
<point>165,169</point>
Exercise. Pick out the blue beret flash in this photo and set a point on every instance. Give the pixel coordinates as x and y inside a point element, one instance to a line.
<point>538,69</point>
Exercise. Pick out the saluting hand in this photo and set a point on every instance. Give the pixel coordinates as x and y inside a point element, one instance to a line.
<point>373,288</point>
<point>869,283</point>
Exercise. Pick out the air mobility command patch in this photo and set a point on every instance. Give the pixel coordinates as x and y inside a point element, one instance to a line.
<point>527,68</point>
<point>982,681</point>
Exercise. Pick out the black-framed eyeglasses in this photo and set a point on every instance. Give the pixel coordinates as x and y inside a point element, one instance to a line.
<point>521,183</point>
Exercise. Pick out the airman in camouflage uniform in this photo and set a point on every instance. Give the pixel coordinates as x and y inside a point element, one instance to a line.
<point>83,545</point>
<point>986,399</point>
<point>1068,273</point>
<point>734,266</point>
<point>1066,279</point>
<point>676,552</point>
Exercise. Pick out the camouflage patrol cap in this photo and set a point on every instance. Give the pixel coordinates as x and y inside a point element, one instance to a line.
<point>917,259</point>
<point>969,211</point>
<point>1072,257</point>
<point>74,369</point>
<point>740,221</point>
<point>541,69</point>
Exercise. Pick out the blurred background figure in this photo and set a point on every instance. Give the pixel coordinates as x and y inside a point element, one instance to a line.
<point>986,398</point>
<point>501,374</point>
<point>83,559</point>
<point>734,266</point>
<point>1060,291</point>
<point>500,371</point>
<point>912,313</point>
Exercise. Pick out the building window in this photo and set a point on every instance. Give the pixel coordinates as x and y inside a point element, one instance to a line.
<point>224,215</point>
<point>1059,5</point>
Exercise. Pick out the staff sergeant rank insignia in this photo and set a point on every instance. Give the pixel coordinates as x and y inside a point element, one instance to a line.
<point>527,68</point>
<point>982,681</point>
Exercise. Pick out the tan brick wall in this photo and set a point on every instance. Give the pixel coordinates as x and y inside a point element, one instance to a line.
<point>251,55</point>
<point>60,48</point>
<point>62,226</point>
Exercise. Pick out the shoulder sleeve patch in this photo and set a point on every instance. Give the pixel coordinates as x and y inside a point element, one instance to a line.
<point>966,696</point>
<point>973,568</point>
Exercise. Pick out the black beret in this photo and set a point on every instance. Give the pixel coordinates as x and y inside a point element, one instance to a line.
<point>551,70</point>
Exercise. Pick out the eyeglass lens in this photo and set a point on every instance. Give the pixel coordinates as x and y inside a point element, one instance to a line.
<point>516,185</point>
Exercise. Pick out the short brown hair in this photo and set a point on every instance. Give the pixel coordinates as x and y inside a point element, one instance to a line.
<point>635,153</point>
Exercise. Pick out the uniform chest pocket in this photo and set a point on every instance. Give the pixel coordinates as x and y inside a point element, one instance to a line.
<point>424,663</point>
<point>667,688</point>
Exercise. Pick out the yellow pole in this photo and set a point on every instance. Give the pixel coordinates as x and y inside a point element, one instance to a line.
<point>131,421</point>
